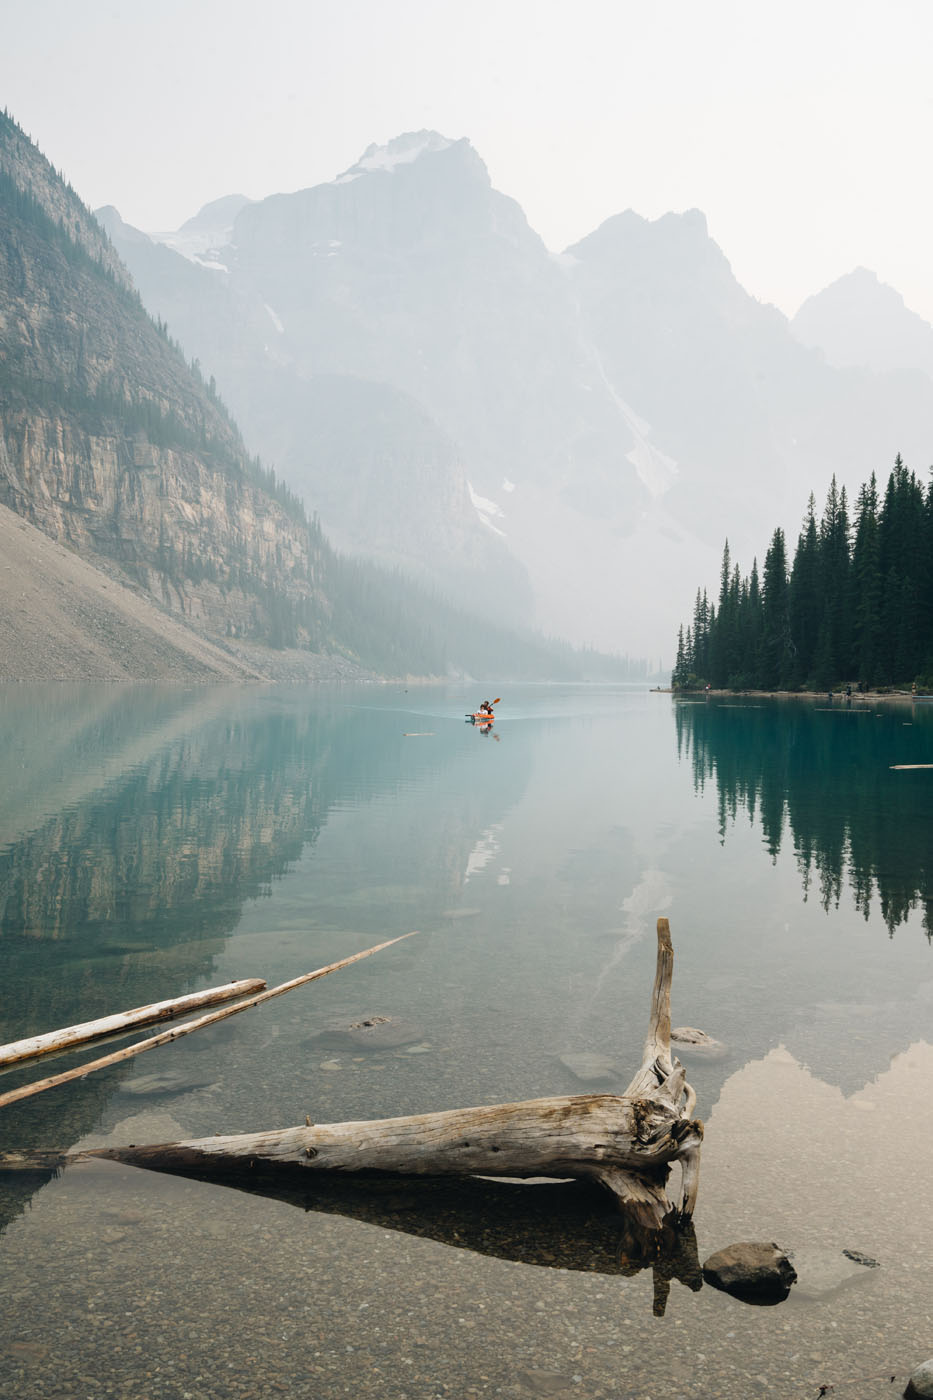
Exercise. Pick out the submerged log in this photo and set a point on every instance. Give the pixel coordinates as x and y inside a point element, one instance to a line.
<point>19,1052</point>
<point>626,1143</point>
<point>26,1091</point>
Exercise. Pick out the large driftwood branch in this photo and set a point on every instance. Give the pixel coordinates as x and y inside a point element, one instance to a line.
<point>626,1143</point>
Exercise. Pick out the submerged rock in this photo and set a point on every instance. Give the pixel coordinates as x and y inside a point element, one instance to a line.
<point>821,1272</point>
<point>920,1385</point>
<point>544,1382</point>
<point>688,1041</point>
<point>370,1033</point>
<point>752,1271</point>
<point>590,1067</point>
<point>168,1082</point>
<point>858,1257</point>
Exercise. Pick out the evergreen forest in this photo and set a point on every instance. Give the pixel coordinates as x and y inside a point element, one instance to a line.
<point>854,606</point>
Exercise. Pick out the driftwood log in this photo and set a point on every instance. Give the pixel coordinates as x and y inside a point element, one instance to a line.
<point>626,1143</point>
<point>19,1052</point>
<point>26,1091</point>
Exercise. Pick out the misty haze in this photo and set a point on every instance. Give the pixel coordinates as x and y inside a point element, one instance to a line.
<point>466,701</point>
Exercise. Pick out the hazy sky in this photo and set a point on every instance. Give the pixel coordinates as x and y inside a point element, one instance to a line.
<point>802,128</point>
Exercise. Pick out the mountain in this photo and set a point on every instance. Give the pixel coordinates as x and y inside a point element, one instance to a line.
<point>195,561</point>
<point>87,625</point>
<point>112,446</point>
<point>415,282</point>
<point>337,407</point>
<point>750,416</point>
<point>859,321</point>
<point>606,415</point>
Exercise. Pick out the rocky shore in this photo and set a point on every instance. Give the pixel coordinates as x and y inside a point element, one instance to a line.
<point>64,619</point>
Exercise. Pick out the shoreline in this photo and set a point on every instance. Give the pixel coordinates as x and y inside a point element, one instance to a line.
<point>861,697</point>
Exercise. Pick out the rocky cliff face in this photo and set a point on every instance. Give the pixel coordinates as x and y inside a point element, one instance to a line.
<point>112,446</point>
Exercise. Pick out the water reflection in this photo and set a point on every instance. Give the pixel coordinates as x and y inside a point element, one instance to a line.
<point>572,1225</point>
<point>822,777</point>
<point>137,824</point>
<point>534,869</point>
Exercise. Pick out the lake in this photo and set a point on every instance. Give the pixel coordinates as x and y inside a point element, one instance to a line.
<point>155,841</point>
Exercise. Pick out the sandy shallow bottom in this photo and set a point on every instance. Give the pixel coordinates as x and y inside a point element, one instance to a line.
<point>127,1283</point>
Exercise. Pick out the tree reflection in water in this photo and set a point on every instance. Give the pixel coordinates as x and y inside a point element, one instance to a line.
<point>821,773</point>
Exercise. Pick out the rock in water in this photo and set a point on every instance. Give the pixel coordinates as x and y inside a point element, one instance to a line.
<point>590,1067</point>
<point>688,1041</point>
<point>166,1082</point>
<point>920,1385</point>
<point>371,1033</point>
<point>858,1257</point>
<point>821,1272</point>
<point>754,1272</point>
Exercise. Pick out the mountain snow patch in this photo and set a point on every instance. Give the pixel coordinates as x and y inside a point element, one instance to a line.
<point>402,150</point>
<point>486,509</point>
<point>276,320</point>
<point>200,246</point>
<point>656,471</point>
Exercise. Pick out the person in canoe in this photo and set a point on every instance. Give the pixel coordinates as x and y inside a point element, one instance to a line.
<point>486,708</point>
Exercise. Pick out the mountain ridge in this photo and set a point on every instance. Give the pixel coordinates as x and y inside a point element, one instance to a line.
<point>860,321</point>
<point>602,403</point>
<point>119,450</point>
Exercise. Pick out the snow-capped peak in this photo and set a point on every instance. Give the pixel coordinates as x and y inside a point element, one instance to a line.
<point>203,237</point>
<point>401,150</point>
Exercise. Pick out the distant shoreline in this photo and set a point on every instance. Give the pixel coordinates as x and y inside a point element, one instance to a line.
<point>858,697</point>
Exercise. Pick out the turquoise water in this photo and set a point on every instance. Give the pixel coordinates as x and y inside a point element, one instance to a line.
<point>155,841</point>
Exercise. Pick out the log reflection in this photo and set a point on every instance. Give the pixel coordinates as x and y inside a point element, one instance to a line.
<point>556,1225</point>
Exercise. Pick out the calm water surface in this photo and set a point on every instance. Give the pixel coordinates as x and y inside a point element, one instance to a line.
<point>155,841</point>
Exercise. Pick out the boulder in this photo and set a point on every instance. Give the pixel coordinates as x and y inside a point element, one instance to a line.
<point>920,1385</point>
<point>689,1042</point>
<point>752,1271</point>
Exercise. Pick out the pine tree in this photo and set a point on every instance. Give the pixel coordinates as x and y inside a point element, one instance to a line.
<point>750,628</point>
<point>805,600</point>
<point>776,656</point>
<point>679,673</point>
<point>867,587</point>
<point>903,569</point>
<point>701,630</point>
<point>832,659</point>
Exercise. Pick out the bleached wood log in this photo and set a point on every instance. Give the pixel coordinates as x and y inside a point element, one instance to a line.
<point>70,1037</point>
<point>596,1136</point>
<point>27,1091</point>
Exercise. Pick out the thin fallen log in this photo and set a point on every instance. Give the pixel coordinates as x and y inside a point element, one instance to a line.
<point>19,1052</point>
<point>26,1091</point>
<point>626,1143</point>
